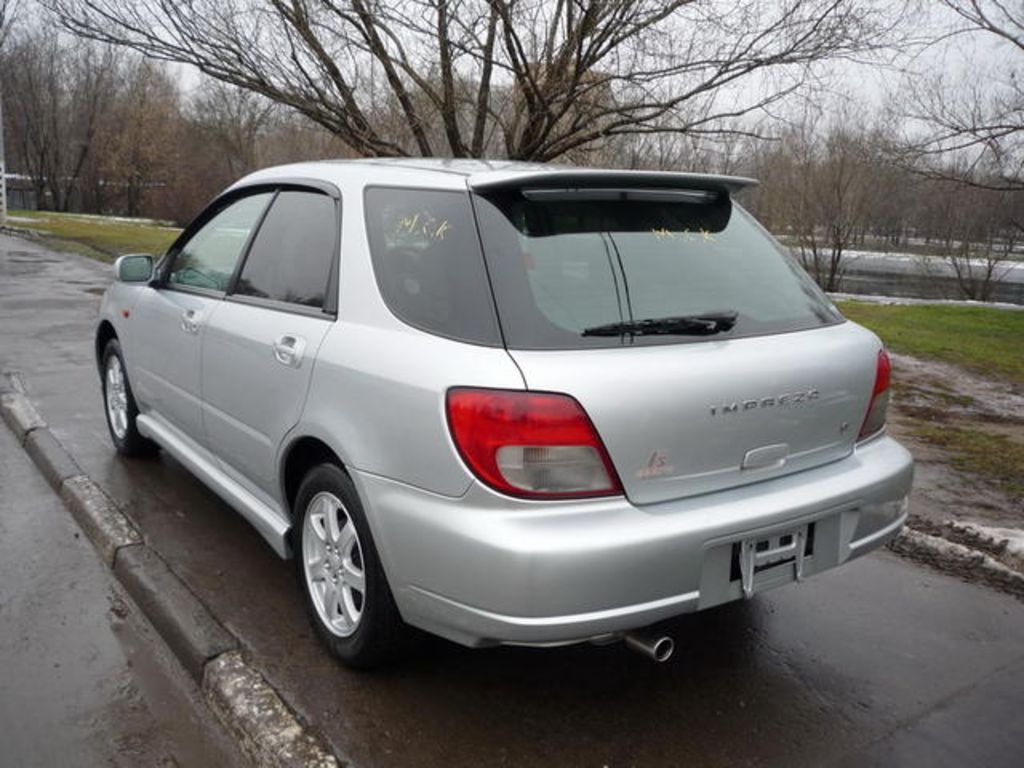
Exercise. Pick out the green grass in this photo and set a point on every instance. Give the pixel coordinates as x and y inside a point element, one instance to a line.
<point>992,457</point>
<point>96,236</point>
<point>983,339</point>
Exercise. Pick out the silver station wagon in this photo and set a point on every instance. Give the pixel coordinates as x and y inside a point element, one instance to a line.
<point>506,403</point>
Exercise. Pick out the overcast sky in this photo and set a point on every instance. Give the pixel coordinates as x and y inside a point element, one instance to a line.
<point>970,58</point>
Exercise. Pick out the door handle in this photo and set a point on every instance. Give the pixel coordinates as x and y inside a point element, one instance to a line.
<point>190,321</point>
<point>288,350</point>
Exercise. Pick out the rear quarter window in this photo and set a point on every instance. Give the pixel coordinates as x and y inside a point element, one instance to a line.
<point>427,262</point>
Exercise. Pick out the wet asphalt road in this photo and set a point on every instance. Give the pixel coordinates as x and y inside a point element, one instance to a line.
<point>881,662</point>
<point>84,680</point>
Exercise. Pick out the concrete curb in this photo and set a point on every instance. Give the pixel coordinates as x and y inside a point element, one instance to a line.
<point>248,705</point>
<point>19,414</point>
<point>49,455</point>
<point>266,729</point>
<point>107,528</point>
<point>958,560</point>
<point>185,624</point>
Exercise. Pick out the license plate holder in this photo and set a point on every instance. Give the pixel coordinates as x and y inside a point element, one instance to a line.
<point>760,553</point>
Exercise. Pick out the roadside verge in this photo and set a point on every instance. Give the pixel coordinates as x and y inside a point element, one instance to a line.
<point>266,729</point>
<point>960,559</point>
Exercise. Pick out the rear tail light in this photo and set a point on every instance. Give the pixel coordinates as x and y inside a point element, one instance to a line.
<point>875,419</point>
<point>533,445</point>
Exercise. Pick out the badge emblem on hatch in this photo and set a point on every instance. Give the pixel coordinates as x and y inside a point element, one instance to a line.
<point>656,466</point>
<point>778,401</point>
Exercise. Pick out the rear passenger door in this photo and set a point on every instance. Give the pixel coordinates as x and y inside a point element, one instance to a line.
<point>260,345</point>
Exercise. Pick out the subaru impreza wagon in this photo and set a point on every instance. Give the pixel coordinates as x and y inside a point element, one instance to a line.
<point>506,403</point>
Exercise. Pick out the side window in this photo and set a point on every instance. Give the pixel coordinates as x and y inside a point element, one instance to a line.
<point>291,256</point>
<point>208,258</point>
<point>426,257</point>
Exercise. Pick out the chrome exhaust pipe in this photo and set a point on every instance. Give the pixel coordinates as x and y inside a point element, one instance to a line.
<point>656,647</point>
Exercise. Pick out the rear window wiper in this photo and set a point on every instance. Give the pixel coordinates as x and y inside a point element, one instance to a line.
<point>682,325</point>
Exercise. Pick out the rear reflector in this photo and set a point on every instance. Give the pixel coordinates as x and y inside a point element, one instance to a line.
<point>875,419</point>
<point>532,445</point>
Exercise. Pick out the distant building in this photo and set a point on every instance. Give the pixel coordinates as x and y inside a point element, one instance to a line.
<point>21,194</point>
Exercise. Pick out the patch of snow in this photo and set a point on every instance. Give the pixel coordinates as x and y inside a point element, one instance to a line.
<point>118,220</point>
<point>1012,538</point>
<point>1007,264</point>
<point>956,557</point>
<point>950,549</point>
<point>875,298</point>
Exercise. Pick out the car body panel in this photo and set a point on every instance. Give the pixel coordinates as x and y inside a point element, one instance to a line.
<point>485,569</point>
<point>381,394</point>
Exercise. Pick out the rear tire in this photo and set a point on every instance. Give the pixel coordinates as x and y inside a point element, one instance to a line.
<point>119,405</point>
<point>345,589</point>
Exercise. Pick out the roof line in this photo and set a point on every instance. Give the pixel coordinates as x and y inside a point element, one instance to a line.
<point>407,163</point>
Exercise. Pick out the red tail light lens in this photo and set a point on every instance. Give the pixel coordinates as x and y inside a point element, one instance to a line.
<point>875,419</point>
<point>532,445</point>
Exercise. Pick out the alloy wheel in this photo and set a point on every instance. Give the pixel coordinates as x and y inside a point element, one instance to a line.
<point>117,397</point>
<point>332,559</point>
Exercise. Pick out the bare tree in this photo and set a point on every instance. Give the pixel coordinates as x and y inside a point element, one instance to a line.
<point>233,120</point>
<point>975,231</point>
<point>139,152</point>
<point>818,187</point>
<point>529,79</point>
<point>56,92</point>
<point>8,10</point>
<point>979,117</point>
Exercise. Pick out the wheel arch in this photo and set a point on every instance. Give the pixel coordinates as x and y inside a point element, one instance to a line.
<point>105,331</point>
<point>301,454</point>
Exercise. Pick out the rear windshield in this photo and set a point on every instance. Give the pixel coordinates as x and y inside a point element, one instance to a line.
<point>562,263</point>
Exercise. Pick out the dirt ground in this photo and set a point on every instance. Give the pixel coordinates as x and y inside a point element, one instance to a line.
<point>932,398</point>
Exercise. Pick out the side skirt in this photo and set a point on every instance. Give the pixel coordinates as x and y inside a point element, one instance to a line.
<point>270,522</point>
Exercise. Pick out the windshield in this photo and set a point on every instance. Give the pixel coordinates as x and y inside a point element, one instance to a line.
<point>564,263</point>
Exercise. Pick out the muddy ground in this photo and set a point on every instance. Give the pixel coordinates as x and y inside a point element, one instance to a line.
<point>930,397</point>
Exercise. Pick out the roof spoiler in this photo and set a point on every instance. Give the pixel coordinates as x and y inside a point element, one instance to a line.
<point>600,179</point>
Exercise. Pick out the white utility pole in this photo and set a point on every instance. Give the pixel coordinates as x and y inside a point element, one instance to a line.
<point>3,168</point>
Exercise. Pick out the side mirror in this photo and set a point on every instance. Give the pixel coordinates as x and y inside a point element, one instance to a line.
<point>134,268</point>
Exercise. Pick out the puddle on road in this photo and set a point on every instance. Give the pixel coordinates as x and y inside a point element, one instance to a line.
<point>19,263</point>
<point>91,286</point>
<point>15,253</point>
<point>32,260</point>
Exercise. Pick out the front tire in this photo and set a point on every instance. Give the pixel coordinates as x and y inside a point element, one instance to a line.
<point>345,589</point>
<point>120,407</point>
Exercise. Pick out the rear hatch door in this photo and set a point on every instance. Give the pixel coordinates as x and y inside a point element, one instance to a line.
<point>606,286</point>
<point>681,420</point>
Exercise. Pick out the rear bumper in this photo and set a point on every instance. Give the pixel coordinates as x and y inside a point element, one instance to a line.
<point>484,569</point>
